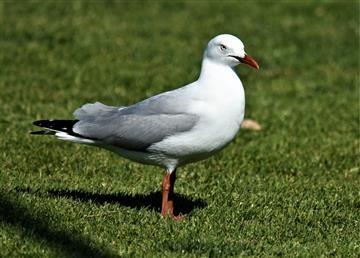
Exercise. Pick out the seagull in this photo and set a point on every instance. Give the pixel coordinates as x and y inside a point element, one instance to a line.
<point>171,129</point>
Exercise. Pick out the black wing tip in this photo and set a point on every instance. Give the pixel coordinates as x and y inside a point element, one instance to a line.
<point>41,123</point>
<point>54,124</point>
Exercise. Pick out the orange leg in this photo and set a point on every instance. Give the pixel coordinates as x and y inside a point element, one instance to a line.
<point>167,207</point>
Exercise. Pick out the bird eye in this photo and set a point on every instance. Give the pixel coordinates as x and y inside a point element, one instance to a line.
<point>222,47</point>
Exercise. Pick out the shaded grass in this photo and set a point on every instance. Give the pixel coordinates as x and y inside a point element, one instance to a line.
<point>291,189</point>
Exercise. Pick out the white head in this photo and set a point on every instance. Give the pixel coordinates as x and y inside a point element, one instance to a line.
<point>228,50</point>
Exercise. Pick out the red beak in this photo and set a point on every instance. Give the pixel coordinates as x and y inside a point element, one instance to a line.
<point>250,61</point>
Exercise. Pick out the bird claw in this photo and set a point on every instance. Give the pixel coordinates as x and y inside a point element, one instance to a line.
<point>174,217</point>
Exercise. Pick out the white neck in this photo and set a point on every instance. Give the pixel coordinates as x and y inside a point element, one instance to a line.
<point>213,71</point>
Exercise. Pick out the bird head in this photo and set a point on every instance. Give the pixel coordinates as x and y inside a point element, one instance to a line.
<point>228,50</point>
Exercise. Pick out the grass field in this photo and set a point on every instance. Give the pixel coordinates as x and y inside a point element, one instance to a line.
<point>292,189</point>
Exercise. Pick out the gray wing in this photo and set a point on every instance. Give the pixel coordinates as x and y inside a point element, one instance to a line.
<point>135,127</point>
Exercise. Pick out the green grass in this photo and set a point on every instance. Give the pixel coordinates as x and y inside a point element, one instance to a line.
<point>292,189</point>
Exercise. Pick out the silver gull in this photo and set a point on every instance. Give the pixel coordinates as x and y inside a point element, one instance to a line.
<point>173,128</point>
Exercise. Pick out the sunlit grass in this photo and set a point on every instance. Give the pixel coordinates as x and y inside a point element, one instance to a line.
<point>292,189</point>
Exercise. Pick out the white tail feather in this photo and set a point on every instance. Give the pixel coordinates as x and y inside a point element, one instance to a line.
<point>66,137</point>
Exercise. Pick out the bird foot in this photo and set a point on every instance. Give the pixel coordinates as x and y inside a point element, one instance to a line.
<point>174,217</point>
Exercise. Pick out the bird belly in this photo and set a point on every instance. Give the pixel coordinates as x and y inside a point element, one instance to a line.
<point>216,129</point>
<point>145,157</point>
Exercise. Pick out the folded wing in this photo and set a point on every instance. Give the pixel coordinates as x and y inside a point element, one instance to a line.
<point>135,127</point>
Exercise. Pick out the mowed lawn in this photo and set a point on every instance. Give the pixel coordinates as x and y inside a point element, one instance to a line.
<point>292,189</point>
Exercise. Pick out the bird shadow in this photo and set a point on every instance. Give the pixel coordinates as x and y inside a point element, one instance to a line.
<point>152,201</point>
<point>37,224</point>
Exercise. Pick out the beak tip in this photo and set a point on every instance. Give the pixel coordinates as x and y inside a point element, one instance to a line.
<point>251,61</point>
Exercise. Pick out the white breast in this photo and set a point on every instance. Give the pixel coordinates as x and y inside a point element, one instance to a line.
<point>220,106</point>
